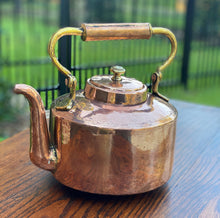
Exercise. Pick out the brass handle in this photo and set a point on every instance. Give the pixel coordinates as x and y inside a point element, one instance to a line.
<point>157,76</point>
<point>94,32</point>
<point>71,82</point>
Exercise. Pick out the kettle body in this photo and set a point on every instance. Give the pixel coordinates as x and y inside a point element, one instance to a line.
<point>120,150</point>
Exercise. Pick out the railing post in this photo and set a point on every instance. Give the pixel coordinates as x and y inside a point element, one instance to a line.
<point>187,41</point>
<point>64,45</point>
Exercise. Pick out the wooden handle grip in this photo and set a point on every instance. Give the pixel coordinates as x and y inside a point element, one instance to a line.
<point>116,31</point>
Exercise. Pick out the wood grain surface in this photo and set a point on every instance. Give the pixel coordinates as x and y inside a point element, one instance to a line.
<point>192,191</point>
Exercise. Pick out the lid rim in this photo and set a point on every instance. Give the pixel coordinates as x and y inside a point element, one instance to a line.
<point>106,82</point>
<point>105,92</point>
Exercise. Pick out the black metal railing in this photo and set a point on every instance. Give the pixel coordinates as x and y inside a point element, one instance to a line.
<point>26,26</point>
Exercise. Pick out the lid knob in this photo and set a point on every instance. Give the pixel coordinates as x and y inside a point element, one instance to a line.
<point>117,70</point>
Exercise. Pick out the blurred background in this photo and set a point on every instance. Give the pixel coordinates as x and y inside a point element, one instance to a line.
<point>27,25</point>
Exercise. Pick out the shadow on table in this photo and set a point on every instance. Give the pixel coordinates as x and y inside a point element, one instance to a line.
<point>81,204</point>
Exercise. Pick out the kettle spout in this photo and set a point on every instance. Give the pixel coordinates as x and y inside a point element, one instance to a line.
<point>41,153</point>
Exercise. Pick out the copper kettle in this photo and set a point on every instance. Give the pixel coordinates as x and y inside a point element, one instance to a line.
<point>114,137</point>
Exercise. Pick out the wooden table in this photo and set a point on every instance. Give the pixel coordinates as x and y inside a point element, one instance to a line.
<point>192,191</point>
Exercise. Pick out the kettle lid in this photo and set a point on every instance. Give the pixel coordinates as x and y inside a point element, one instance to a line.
<point>116,89</point>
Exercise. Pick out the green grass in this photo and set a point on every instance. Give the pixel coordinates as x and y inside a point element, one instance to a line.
<point>207,96</point>
<point>2,138</point>
<point>25,38</point>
